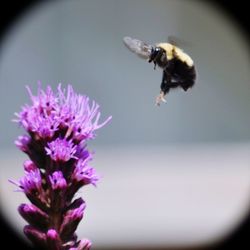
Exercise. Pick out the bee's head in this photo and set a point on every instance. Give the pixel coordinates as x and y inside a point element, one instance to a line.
<point>154,54</point>
<point>158,56</point>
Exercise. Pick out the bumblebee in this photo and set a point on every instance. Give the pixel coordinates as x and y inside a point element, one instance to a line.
<point>178,67</point>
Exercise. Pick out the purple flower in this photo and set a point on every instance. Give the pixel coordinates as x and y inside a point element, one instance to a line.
<point>57,181</point>
<point>58,125</point>
<point>22,143</point>
<point>66,110</point>
<point>31,182</point>
<point>29,166</point>
<point>61,150</point>
<point>85,174</point>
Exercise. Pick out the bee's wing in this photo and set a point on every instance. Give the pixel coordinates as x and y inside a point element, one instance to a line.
<point>176,41</point>
<point>138,47</point>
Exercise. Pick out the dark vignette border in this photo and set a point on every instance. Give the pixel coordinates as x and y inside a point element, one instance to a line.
<point>235,10</point>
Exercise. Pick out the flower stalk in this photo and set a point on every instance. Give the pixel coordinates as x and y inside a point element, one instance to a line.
<point>58,125</point>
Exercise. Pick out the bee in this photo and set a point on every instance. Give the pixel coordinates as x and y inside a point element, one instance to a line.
<point>178,67</point>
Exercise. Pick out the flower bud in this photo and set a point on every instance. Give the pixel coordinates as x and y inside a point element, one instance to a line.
<point>34,216</point>
<point>37,237</point>
<point>71,220</point>
<point>53,239</point>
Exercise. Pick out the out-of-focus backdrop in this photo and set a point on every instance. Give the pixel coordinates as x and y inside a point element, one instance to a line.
<point>178,175</point>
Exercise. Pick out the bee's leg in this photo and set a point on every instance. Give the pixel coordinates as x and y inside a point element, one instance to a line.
<point>160,98</point>
<point>165,84</point>
<point>164,89</point>
<point>154,65</point>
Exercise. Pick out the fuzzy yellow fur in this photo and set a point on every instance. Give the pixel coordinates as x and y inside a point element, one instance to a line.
<point>172,51</point>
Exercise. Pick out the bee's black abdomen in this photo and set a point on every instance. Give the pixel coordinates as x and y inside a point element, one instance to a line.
<point>189,79</point>
<point>182,75</point>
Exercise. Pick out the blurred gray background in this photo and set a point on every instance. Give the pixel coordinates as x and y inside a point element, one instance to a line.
<point>196,145</point>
